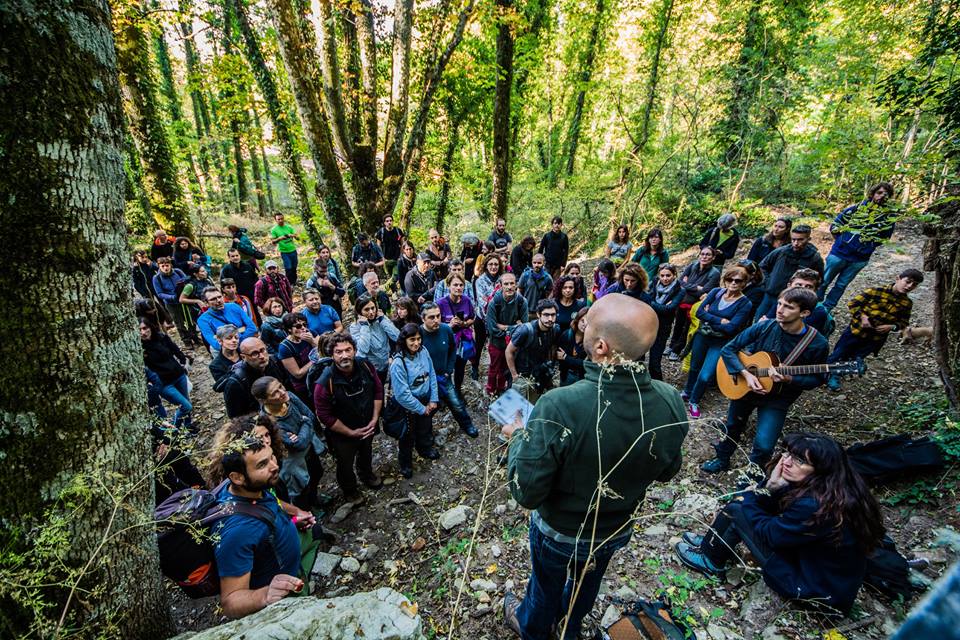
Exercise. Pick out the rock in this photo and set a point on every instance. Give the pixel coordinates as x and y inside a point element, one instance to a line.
<point>454,517</point>
<point>656,530</point>
<point>325,563</point>
<point>472,471</point>
<point>482,596</point>
<point>335,550</point>
<point>383,614</point>
<point>508,585</point>
<point>367,552</point>
<point>625,593</point>
<point>480,584</point>
<point>418,544</point>
<point>696,503</point>
<point>495,551</point>
<point>500,509</point>
<point>611,615</point>
<point>481,610</point>
<point>735,575</point>
<point>390,566</point>
<point>772,633</point>
<point>341,513</point>
<point>453,493</point>
<point>716,632</point>
<point>512,504</point>
<point>389,480</point>
<point>350,565</point>
<point>218,416</point>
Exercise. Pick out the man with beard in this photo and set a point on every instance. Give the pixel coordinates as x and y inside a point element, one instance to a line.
<point>348,399</point>
<point>532,352</point>
<point>257,548</point>
<point>255,362</point>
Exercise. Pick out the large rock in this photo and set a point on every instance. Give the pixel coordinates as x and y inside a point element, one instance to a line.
<point>455,517</point>
<point>383,614</point>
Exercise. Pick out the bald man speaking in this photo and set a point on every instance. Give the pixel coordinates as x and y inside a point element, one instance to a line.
<point>616,424</point>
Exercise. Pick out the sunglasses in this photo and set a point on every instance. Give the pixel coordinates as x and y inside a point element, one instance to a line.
<point>739,280</point>
<point>299,325</point>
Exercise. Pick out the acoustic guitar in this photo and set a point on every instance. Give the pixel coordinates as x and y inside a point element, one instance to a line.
<point>760,363</point>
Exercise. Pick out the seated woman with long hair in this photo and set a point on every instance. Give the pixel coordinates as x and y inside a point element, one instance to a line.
<point>810,525</point>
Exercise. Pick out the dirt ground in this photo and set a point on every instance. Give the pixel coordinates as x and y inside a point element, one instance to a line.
<point>396,532</point>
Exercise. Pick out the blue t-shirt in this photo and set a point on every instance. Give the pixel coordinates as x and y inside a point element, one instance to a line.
<point>325,319</point>
<point>243,543</point>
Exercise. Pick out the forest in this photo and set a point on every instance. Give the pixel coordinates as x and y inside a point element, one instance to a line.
<point>121,117</point>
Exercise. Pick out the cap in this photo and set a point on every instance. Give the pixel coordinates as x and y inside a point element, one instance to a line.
<point>269,263</point>
<point>423,256</point>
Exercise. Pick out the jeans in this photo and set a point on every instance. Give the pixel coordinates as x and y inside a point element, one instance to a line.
<point>349,453</point>
<point>498,376</point>
<point>557,567</point>
<point>730,528</point>
<point>850,346</point>
<point>454,401</point>
<point>844,272</point>
<point>176,392</point>
<point>770,421</point>
<point>938,614</point>
<point>767,307</point>
<point>290,261</point>
<point>703,365</point>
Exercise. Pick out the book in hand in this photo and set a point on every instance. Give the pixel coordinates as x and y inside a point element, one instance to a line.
<point>504,409</point>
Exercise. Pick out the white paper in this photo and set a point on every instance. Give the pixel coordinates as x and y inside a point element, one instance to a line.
<point>504,409</point>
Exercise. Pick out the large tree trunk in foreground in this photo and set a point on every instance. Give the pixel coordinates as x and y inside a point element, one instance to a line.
<point>72,396</point>
<point>942,256</point>
<point>167,203</point>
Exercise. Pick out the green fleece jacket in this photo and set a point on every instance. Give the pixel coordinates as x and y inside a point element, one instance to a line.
<point>555,462</point>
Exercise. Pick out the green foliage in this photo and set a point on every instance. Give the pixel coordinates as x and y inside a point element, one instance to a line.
<point>676,588</point>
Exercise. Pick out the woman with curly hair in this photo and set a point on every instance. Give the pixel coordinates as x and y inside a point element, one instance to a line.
<point>810,524</point>
<point>565,294</point>
<point>632,281</point>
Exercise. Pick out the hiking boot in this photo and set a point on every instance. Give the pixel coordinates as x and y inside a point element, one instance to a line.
<point>510,605</point>
<point>833,383</point>
<point>373,480</point>
<point>694,559</point>
<point>406,472</point>
<point>694,410</point>
<point>692,539</point>
<point>470,430</point>
<point>431,454</point>
<point>715,465</point>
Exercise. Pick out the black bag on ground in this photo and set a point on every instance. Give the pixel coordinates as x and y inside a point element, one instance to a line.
<point>186,550</point>
<point>888,572</point>
<point>644,620</point>
<point>895,457</point>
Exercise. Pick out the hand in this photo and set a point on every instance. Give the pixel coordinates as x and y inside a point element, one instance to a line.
<point>431,407</point>
<point>161,452</point>
<point>724,321</point>
<point>455,322</point>
<point>421,300</point>
<point>865,321</point>
<point>762,318</point>
<point>753,382</point>
<point>508,429</point>
<point>279,587</point>
<point>776,376</point>
<point>379,312</point>
<point>294,437</point>
<point>884,328</point>
<point>366,431</point>
<point>561,354</point>
<point>776,481</point>
<point>305,519</point>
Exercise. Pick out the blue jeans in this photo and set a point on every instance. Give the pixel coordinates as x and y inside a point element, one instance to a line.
<point>770,421</point>
<point>453,400</point>
<point>176,392</point>
<point>556,566</point>
<point>703,365</point>
<point>844,272</point>
<point>290,261</point>
<point>850,347</point>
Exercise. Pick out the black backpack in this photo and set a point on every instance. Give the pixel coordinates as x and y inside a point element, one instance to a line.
<point>186,550</point>
<point>888,572</point>
<point>644,620</point>
<point>890,458</point>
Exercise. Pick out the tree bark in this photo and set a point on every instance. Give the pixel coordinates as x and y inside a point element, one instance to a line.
<point>942,256</point>
<point>501,111</point>
<point>143,116</point>
<point>255,168</point>
<point>583,80</point>
<point>281,129</point>
<point>446,167</point>
<point>72,387</point>
<point>262,149</point>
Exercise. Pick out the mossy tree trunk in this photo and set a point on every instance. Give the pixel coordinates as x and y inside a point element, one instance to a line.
<point>72,396</point>
<point>160,179</point>
<point>501,110</point>
<point>942,256</point>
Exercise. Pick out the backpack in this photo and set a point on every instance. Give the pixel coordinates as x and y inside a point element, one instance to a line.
<point>889,458</point>
<point>315,371</point>
<point>186,551</point>
<point>888,572</point>
<point>644,620</point>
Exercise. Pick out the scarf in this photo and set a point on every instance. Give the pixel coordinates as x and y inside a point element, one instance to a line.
<point>663,293</point>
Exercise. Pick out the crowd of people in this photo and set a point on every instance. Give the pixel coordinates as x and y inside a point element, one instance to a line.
<point>389,343</point>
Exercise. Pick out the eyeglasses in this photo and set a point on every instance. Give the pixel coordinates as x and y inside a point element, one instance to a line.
<point>256,352</point>
<point>299,325</point>
<point>795,459</point>
<point>739,280</point>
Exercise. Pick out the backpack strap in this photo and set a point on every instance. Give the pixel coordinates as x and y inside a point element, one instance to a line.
<point>798,350</point>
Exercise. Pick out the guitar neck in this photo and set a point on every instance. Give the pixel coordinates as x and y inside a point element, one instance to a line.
<point>797,370</point>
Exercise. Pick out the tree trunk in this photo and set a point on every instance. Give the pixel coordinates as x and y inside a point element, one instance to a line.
<point>262,149</point>
<point>583,80</point>
<point>501,111</point>
<point>72,393</point>
<point>942,256</point>
<point>281,130</point>
<point>446,168</point>
<point>300,63</point>
<point>735,125</point>
<point>255,169</point>
<point>242,193</point>
<point>143,116</point>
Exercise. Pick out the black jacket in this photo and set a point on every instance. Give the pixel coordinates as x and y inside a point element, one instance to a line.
<point>163,357</point>
<point>236,386</point>
<point>555,248</point>
<point>143,278</point>
<point>725,250</point>
<point>244,275</point>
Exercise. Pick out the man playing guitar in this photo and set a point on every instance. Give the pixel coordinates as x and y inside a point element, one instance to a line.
<point>786,337</point>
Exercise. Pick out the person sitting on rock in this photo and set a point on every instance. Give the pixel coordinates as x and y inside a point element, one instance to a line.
<point>810,525</point>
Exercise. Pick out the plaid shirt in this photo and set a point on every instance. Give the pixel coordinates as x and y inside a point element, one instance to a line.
<point>882,305</point>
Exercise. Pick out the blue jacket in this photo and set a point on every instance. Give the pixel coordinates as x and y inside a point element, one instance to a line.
<point>739,313</point>
<point>807,562</point>
<point>534,287</point>
<point>166,286</point>
<point>414,381</point>
<point>210,320</point>
<point>373,340</point>
<point>636,294</point>
<point>669,306</point>
<point>442,348</point>
<point>862,228</point>
<point>768,336</point>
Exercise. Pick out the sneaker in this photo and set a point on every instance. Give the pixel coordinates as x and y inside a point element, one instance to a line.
<point>673,356</point>
<point>354,497</point>
<point>694,410</point>
<point>692,558</point>
<point>684,396</point>
<point>833,383</point>
<point>715,465</point>
<point>692,539</point>
<point>510,605</point>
